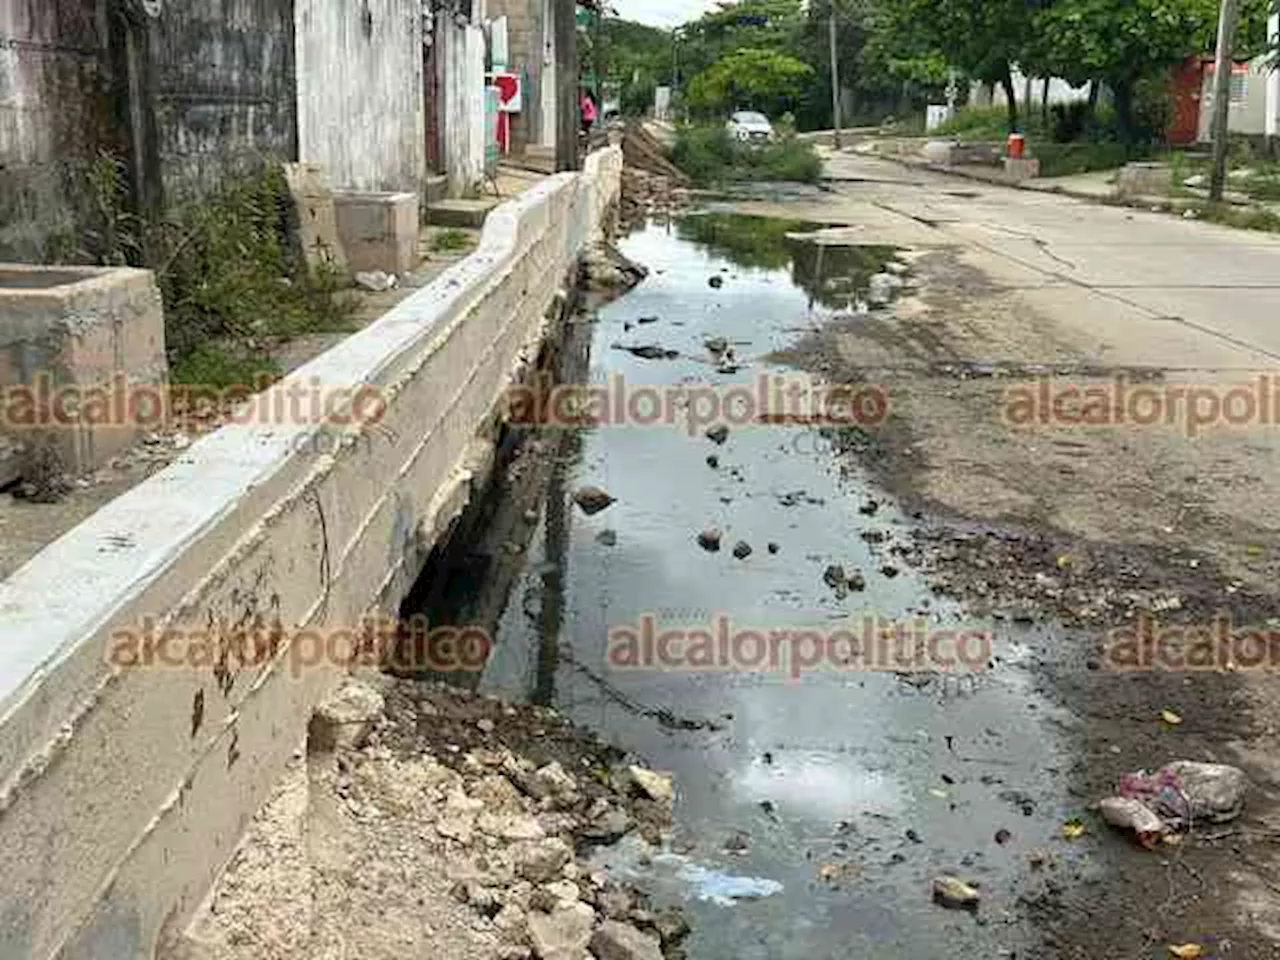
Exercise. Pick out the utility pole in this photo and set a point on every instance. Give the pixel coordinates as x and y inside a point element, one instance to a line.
<point>566,44</point>
<point>1222,71</point>
<point>835,79</point>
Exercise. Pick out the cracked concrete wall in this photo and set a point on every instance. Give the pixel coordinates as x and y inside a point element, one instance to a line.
<point>219,89</point>
<point>54,115</point>
<point>123,789</point>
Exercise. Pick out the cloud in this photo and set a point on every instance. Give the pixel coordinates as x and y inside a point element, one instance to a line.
<point>662,13</point>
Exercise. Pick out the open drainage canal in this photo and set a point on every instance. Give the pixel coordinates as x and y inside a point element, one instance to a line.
<point>815,802</point>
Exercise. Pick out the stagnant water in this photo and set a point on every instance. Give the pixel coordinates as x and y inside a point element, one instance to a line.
<point>812,811</point>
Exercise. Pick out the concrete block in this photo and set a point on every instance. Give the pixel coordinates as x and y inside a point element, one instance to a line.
<point>378,231</point>
<point>1021,168</point>
<point>460,212</point>
<point>83,370</point>
<point>317,218</point>
<point>1144,180</point>
<point>435,188</point>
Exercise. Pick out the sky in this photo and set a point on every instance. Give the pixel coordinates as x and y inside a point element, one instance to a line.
<point>662,13</point>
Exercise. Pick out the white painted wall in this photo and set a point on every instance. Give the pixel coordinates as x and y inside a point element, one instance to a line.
<point>1247,115</point>
<point>1059,91</point>
<point>360,92</point>
<point>462,108</point>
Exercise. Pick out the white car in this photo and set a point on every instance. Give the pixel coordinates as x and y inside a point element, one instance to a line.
<point>747,126</point>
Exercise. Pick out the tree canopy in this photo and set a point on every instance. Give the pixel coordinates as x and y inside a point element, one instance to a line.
<point>749,77</point>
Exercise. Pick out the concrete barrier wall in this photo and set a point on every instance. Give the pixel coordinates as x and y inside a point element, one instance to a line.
<point>124,789</point>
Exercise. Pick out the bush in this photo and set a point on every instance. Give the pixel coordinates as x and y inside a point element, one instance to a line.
<point>1065,159</point>
<point>232,285</point>
<point>990,123</point>
<point>709,155</point>
<point>229,278</point>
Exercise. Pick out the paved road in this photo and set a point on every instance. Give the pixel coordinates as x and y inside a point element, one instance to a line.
<point>1147,287</point>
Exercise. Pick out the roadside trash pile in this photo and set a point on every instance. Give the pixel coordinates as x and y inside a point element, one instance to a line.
<point>1174,799</point>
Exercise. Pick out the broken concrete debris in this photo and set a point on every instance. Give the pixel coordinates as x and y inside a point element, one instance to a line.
<point>614,940</point>
<point>603,268</point>
<point>345,719</point>
<point>503,831</point>
<point>656,786</point>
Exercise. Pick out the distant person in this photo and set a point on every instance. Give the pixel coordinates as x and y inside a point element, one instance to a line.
<point>588,109</point>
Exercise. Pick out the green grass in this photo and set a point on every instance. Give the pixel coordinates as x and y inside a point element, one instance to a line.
<point>709,156</point>
<point>221,366</point>
<point>1243,218</point>
<point>450,240</point>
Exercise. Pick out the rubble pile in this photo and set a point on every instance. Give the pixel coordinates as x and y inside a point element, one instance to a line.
<point>646,194</point>
<point>445,821</point>
<point>519,793</point>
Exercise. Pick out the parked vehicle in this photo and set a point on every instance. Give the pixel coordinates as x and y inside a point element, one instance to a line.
<point>747,126</point>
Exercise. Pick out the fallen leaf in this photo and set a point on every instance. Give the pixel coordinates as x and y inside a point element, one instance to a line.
<point>1072,830</point>
<point>1186,951</point>
<point>1171,718</point>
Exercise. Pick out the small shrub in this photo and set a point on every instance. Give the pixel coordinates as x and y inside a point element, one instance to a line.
<point>703,152</point>
<point>229,277</point>
<point>221,366</point>
<point>1065,159</point>
<point>1070,121</point>
<point>709,155</point>
<point>450,239</point>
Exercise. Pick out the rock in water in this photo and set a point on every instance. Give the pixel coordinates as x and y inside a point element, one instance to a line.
<point>718,434</point>
<point>955,894</point>
<point>709,539</point>
<point>592,500</point>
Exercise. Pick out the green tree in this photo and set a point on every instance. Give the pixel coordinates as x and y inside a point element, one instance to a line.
<point>749,77</point>
<point>637,58</point>
<point>1123,42</point>
<point>982,38</point>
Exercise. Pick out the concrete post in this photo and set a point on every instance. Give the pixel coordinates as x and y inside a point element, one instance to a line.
<point>1273,81</point>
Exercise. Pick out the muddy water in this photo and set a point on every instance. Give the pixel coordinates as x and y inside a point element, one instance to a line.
<point>813,810</point>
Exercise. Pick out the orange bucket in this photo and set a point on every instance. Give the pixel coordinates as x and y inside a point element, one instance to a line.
<point>1016,146</point>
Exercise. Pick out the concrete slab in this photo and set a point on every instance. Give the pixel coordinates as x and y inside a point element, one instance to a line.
<point>435,188</point>
<point>460,212</point>
<point>378,231</point>
<point>82,363</point>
